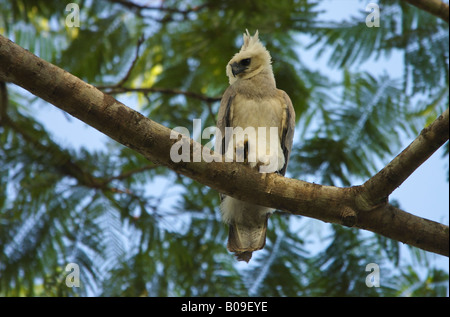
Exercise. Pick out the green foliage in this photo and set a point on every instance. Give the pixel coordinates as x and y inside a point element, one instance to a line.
<point>107,209</point>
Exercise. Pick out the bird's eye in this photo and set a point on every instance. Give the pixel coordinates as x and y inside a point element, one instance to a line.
<point>245,62</point>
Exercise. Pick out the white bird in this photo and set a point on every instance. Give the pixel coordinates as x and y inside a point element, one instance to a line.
<point>253,101</point>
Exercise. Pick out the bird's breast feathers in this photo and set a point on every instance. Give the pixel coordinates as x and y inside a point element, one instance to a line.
<point>263,115</point>
<point>246,112</point>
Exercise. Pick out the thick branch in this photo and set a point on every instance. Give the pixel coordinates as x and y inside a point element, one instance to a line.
<point>327,203</point>
<point>435,7</point>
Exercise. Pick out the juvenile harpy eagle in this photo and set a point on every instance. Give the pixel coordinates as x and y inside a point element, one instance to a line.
<point>252,100</point>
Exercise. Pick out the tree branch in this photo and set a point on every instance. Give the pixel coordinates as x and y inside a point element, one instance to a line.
<point>3,101</point>
<point>126,126</point>
<point>435,7</point>
<point>127,174</point>
<point>132,5</point>
<point>117,90</point>
<point>133,63</point>
<point>380,186</point>
<point>169,12</point>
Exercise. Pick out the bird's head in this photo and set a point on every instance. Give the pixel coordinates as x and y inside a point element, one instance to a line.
<point>252,59</point>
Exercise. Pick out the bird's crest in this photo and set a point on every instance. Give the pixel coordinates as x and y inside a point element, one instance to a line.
<point>250,40</point>
<point>251,48</point>
<point>253,45</point>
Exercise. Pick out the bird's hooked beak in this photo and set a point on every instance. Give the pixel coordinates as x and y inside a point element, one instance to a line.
<point>237,68</point>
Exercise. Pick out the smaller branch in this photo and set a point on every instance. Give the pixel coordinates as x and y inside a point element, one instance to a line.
<point>169,13</point>
<point>119,88</point>
<point>382,184</point>
<point>435,7</point>
<point>130,69</point>
<point>131,172</point>
<point>136,57</point>
<point>113,90</point>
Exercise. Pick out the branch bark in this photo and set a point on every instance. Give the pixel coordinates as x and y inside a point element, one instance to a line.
<point>435,7</point>
<point>357,206</point>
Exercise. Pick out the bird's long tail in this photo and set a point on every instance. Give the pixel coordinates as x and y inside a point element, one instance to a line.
<point>244,238</point>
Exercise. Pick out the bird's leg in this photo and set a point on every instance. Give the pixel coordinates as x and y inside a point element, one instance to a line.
<point>246,152</point>
<point>242,151</point>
